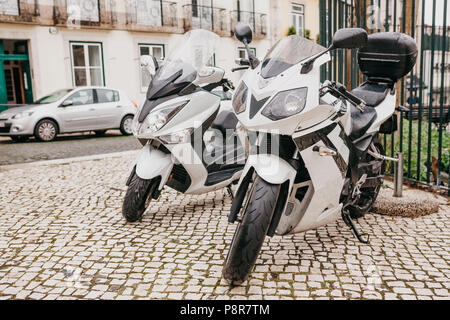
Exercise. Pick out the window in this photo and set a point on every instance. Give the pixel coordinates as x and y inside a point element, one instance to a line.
<point>298,19</point>
<point>105,96</point>
<point>242,53</point>
<point>83,10</point>
<point>87,64</point>
<point>155,50</point>
<point>148,12</point>
<point>9,7</point>
<point>82,97</point>
<point>246,11</point>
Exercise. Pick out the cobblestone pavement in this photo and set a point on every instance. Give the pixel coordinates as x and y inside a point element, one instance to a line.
<point>65,146</point>
<point>62,236</point>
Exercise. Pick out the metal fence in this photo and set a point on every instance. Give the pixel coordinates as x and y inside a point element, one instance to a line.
<point>424,131</point>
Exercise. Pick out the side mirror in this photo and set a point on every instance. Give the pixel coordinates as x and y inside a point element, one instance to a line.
<point>349,38</point>
<point>243,32</point>
<point>149,63</point>
<point>67,103</point>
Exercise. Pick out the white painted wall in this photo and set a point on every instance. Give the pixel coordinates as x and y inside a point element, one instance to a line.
<point>51,63</point>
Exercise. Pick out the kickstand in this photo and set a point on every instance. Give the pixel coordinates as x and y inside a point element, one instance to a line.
<point>230,192</point>
<point>349,222</point>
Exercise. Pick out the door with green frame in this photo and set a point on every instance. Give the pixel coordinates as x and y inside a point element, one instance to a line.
<point>15,73</point>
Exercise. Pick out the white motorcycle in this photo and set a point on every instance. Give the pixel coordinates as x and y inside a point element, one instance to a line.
<point>316,150</point>
<point>183,128</point>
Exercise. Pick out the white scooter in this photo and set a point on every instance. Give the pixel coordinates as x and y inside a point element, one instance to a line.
<point>318,155</point>
<point>183,128</point>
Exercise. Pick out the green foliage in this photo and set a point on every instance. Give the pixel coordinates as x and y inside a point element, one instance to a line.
<point>291,31</point>
<point>308,34</point>
<point>434,149</point>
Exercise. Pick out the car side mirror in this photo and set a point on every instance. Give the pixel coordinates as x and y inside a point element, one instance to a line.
<point>67,103</point>
<point>243,32</point>
<point>149,63</point>
<point>349,38</point>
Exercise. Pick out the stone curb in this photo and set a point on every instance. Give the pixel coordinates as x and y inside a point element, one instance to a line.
<point>67,160</point>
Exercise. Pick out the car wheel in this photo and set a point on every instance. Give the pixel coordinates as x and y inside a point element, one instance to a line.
<point>19,138</point>
<point>126,126</point>
<point>46,130</point>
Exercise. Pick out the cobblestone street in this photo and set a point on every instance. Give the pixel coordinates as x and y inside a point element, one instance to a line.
<point>62,236</point>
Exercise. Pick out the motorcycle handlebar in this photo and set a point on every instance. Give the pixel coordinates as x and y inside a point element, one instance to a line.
<point>239,68</point>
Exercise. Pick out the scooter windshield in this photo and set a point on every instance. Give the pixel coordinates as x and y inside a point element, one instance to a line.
<point>193,53</point>
<point>286,53</point>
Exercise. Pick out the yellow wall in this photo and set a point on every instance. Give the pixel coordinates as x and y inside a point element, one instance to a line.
<point>311,16</point>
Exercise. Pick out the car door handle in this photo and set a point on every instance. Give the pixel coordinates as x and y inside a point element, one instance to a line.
<point>119,106</point>
<point>92,109</point>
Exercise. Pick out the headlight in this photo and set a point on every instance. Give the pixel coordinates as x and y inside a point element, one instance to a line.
<point>23,114</point>
<point>182,136</point>
<point>286,104</point>
<point>240,98</point>
<point>157,119</point>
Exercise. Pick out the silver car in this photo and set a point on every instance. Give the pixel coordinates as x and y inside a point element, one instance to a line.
<point>70,110</point>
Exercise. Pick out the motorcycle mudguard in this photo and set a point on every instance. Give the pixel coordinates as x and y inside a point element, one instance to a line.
<point>152,163</point>
<point>271,168</point>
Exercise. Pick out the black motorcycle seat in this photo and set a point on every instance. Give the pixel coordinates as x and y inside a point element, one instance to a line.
<point>372,93</point>
<point>361,121</point>
<point>225,120</point>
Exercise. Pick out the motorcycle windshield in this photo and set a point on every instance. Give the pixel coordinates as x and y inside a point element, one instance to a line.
<point>286,53</point>
<point>193,53</point>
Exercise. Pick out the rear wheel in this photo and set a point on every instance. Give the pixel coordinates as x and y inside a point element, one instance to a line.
<point>369,194</point>
<point>126,127</point>
<point>251,231</point>
<point>138,197</point>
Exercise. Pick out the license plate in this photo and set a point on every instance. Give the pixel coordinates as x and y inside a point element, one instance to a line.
<point>2,124</point>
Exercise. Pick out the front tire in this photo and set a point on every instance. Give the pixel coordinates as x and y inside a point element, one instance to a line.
<point>251,231</point>
<point>137,198</point>
<point>46,130</point>
<point>126,125</point>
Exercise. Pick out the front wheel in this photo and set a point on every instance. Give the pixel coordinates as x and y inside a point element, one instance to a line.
<point>251,231</point>
<point>46,130</point>
<point>137,198</point>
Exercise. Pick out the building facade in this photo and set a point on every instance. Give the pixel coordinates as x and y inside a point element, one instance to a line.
<point>46,45</point>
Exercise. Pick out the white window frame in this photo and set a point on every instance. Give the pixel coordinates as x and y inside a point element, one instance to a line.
<point>150,46</point>
<point>240,49</point>
<point>298,11</point>
<point>87,66</point>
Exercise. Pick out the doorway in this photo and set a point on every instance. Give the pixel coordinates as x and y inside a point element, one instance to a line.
<point>15,73</point>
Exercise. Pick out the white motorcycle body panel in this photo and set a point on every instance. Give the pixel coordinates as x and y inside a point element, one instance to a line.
<point>320,204</point>
<point>152,163</point>
<point>200,111</point>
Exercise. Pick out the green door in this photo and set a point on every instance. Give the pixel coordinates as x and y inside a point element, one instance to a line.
<point>23,83</point>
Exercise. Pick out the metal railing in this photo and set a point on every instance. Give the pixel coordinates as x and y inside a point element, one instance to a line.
<point>205,17</point>
<point>424,131</point>
<point>257,21</point>
<point>153,13</point>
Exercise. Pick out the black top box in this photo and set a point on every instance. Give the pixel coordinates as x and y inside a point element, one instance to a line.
<point>387,56</point>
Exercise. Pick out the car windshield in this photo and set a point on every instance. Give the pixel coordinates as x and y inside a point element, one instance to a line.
<point>193,53</point>
<point>55,96</point>
<point>286,53</point>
